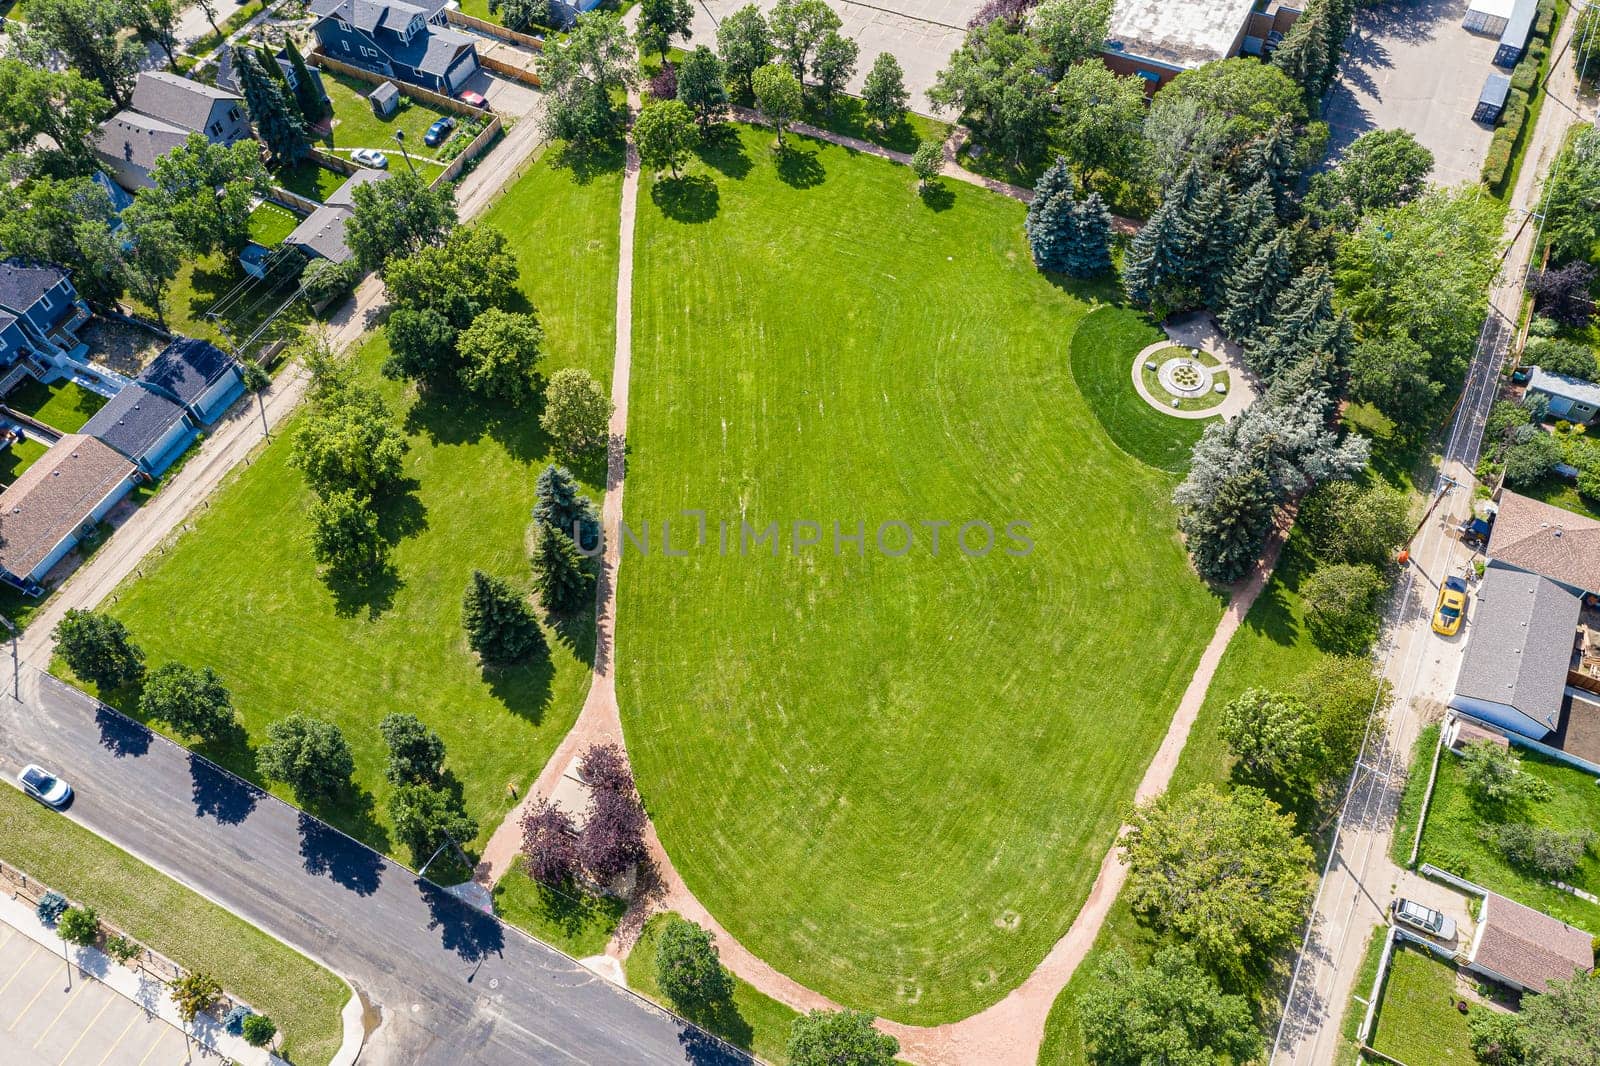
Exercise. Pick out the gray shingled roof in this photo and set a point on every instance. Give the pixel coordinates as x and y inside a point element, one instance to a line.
<point>180,101</point>
<point>21,284</point>
<point>345,195</point>
<point>1564,385</point>
<point>1521,644</point>
<point>1544,539</point>
<point>322,232</point>
<point>134,421</point>
<point>139,139</point>
<point>186,368</point>
<point>370,15</point>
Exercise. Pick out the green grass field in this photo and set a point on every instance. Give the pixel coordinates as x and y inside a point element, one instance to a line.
<point>18,457</point>
<point>1103,350</point>
<point>1417,1022</point>
<point>310,180</point>
<point>753,1021</point>
<point>1349,1053</point>
<point>581,925</point>
<point>918,761</point>
<point>256,610</point>
<point>63,405</point>
<point>355,126</point>
<point>302,997</point>
<point>270,224</point>
<point>1450,836</point>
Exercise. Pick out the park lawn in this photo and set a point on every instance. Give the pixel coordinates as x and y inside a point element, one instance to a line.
<point>270,224</point>
<point>63,405</point>
<point>1450,836</point>
<point>848,117</point>
<point>753,1021</point>
<point>1418,1023</point>
<point>255,609</point>
<point>1272,649</point>
<point>302,997</point>
<point>579,924</point>
<point>18,457</point>
<point>893,778</point>
<point>1103,350</point>
<point>310,179</point>
<point>355,126</point>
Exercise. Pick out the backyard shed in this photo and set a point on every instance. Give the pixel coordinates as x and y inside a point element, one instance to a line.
<point>385,99</point>
<point>1571,398</point>
<point>1492,100</point>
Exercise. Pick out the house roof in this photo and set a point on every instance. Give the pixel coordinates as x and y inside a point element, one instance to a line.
<point>134,421</point>
<point>1182,33</point>
<point>22,283</point>
<point>181,101</point>
<point>1579,734</point>
<point>1531,948</point>
<point>434,51</point>
<point>371,15</point>
<point>186,368</point>
<point>1544,539</point>
<point>138,139</point>
<point>53,497</point>
<point>1564,385</point>
<point>1521,643</point>
<point>345,195</point>
<point>322,231</point>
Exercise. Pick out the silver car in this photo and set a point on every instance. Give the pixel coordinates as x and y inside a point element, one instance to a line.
<point>1423,919</point>
<point>44,786</point>
<point>370,157</point>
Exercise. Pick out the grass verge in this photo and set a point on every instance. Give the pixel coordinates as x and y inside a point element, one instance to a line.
<point>1416,790</point>
<point>581,924</point>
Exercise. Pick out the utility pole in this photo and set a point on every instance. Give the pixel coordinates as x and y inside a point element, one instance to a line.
<point>16,663</point>
<point>400,139</point>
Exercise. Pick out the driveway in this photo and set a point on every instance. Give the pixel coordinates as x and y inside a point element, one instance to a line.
<point>1409,65</point>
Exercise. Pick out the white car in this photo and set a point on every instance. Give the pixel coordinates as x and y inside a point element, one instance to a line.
<point>44,786</point>
<point>370,157</point>
<point>1423,919</point>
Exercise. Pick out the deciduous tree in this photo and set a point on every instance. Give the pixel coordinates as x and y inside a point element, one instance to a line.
<point>348,442</point>
<point>700,78</point>
<point>195,994</point>
<point>344,534</point>
<point>833,66</point>
<point>500,354</point>
<point>193,702</point>
<point>86,36</point>
<point>207,192</point>
<point>1102,121</point>
<point>426,817</point>
<point>688,969</point>
<point>398,217</point>
<point>98,649</point>
<point>576,413</point>
<point>884,96</point>
<point>927,162</point>
<point>665,133</point>
<point>549,844</point>
<point>777,96</point>
<point>745,43</point>
<point>580,78</point>
<point>416,753</point>
<point>660,21</point>
<point>307,754</point>
<point>798,28</point>
<point>1496,775</point>
<point>49,119</point>
<point>993,79</point>
<point>1070,31</point>
<point>1169,1012</point>
<point>829,1038</point>
<point>1342,602</point>
<point>1379,169</point>
<point>1273,734</point>
<point>612,838</point>
<point>78,925</point>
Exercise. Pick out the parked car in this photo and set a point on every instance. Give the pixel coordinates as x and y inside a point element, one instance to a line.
<point>370,157</point>
<point>439,132</point>
<point>1423,919</point>
<point>1452,606</point>
<point>472,99</point>
<point>44,786</point>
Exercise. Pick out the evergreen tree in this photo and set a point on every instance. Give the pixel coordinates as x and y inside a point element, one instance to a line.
<point>561,506</point>
<point>269,63</point>
<point>1303,54</point>
<point>1089,251</point>
<point>1293,332</point>
<point>1056,179</point>
<point>1050,231</point>
<point>1226,533</point>
<point>1153,269</point>
<point>280,127</point>
<point>1270,158</point>
<point>1255,221</point>
<point>313,104</point>
<point>559,573</point>
<point>500,625</point>
<point>1211,223</point>
<point>1254,286</point>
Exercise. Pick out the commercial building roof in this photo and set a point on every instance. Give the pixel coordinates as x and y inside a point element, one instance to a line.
<point>186,368</point>
<point>134,421</point>
<point>1531,948</point>
<point>180,101</point>
<point>1564,385</point>
<point>22,283</point>
<point>54,496</point>
<point>1521,643</point>
<point>1182,33</point>
<point>1543,539</point>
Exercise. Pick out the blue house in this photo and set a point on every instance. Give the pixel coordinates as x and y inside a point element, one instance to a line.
<point>403,41</point>
<point>147,428</point>
<point>39,312</point>
<point>197,376</point>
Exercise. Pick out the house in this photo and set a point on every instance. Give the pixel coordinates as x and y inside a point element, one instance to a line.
<point>145,426</point>
<point>564,13</point>
<point>166,109</point>
<point>196,375</point>
<point>1160,39</point>
<point>1570,398</point>
<point>1539,538</point>
<point>54,503</point>
<point>1514,672</point>
<point>39,312</point>
<point>1525,950</point>
<point>320,235</point>
<point>403,41</point>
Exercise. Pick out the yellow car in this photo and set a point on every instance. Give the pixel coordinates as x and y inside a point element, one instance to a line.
<point>1452,606</point>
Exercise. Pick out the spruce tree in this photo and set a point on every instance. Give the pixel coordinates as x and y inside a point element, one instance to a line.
<point>561,506</point>
<point>559,573</point>
<point>1153,269</point>
<point>1089,251</point>
<point>313,104</point>
<point>1050,232</point>
<point>1211,222</point>
<point>269,63</point>
<point>1270,158</point>
<point>276,123</point>
<point>1056,179</point>
<point>1255,221</point>
<point>1303,55</point>
<point>1225,534</point>
<point>1253,287</point>
<point>500,625</point>
<point>1293,332</point>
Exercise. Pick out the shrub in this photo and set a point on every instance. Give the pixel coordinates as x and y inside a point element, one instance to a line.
<point>1505,416</point>
<point>1562,293</point>
<point>259,1030</point>
<point>325,280</point>
<point>1561,357</point>
<point>1546,851</point>
<point>1496,775</point>
<point>195,994</point>
<point>1545,20</point>
<point>663,85</point>
<point>122,949</point>
<point>1529,460</point>
<point>234,1022</point>
<point>79,925</point>
<point>1540,326</point>
<point>51,904</point>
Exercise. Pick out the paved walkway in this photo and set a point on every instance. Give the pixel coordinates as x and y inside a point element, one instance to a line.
<point>1198,329</point>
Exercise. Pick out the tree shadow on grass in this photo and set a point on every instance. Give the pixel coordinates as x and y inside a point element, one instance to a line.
<point>326,852</point>
<point>575,632</point>
<point>523,688</point>
<point>372,592</point>
<point>936,196</point>
<point>455,417</point>
<point>587,162</point>
<point>722,149</point>
<point>799,169</point>
<point>721,1017</point>
<point>688,198</point>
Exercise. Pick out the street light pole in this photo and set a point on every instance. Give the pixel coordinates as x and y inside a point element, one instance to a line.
<point>400,139</point>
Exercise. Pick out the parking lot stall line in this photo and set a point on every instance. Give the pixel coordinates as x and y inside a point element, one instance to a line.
<point>109,1000</point>
<point>160,1036</point>
<point>49,977</point>
<point>114,1044</point>
<point>77,987</point>
<point>18,971</point>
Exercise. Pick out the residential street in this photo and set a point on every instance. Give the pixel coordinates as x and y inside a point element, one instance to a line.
<point>1361,880</point>
<point>453,985</point>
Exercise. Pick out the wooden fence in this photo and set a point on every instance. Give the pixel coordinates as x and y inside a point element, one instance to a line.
<point>491,29</point>
<point>507,70</point>
<point>482,141</point>
<point>292,199</point>
<point>319,58</point>
<point>333,162</point>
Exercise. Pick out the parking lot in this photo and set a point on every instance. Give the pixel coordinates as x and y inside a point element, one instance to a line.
<point>51,1015</point>
<point>1411,66</point>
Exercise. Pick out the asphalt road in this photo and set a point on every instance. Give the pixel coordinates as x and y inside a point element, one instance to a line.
<point>454,986</point>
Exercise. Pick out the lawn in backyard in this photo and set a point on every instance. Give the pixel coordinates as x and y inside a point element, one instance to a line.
<point>1450,838</point>
<point>754,1021</point>
<point>302,997</point>
<point>310,179</point>
<point>356,126</point>
<point>18,457</point>
<point>893,777</point>
<point>256,610</point>
<point>63,405</point>
<point>270,224</point>
<point>1418,1023</point>
<point>1103,350</point>
<point>577,922</point>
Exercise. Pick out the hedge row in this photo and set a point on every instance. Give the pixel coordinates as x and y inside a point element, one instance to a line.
<point>1497,164</point>
<point>1526,76</point>
<point>1545,21</point>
